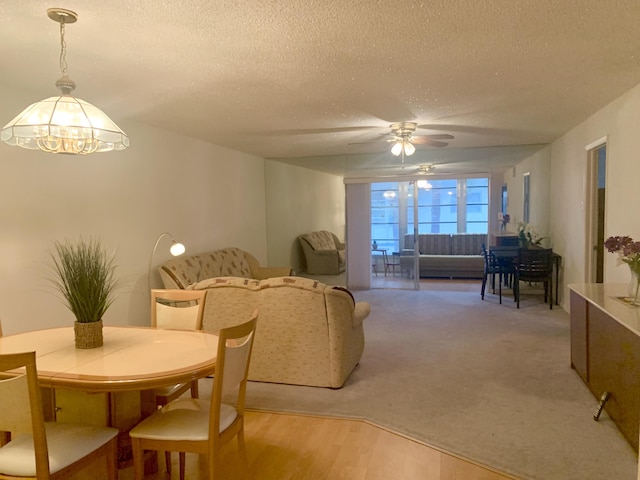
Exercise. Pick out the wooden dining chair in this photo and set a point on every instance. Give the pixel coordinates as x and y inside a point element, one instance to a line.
<point>194,425</point>
<point>177,310</point>
<point>45,450</point>
<point>535,265</point>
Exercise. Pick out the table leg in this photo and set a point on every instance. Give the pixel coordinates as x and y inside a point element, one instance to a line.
<point>557,265</point>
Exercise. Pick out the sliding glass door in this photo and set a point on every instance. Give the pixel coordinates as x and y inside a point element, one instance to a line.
<point>401,211</point>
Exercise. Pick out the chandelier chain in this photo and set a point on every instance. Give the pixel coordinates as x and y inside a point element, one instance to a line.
<point>63,49</point>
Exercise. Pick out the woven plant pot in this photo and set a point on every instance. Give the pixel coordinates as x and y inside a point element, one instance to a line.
<point>88,335</point>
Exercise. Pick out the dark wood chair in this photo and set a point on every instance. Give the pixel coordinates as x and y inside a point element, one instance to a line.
<point>491,269</point>
<point>534,265</point>
<point>503,268</point>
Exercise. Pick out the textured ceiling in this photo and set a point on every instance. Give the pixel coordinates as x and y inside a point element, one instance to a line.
<point>309,81</point>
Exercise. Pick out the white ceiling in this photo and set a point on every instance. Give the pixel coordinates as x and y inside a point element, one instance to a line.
<point>304,80</point>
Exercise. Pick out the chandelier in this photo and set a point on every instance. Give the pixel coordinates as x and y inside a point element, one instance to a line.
<point>64,124</point>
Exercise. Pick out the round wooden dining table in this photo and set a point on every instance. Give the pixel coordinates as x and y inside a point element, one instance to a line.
<point>131,358</point>
<point>113,384</point>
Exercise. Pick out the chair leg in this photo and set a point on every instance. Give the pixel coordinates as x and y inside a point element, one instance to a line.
<point>242,448</point>
<point>182,464</point>
<point>194,389</point>
<point>484,284</point>
<point>112,460</point>
<point>138,459</point>
<point>167,461</point>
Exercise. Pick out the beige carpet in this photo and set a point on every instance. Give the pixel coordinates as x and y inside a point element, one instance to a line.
<point>481,380</point>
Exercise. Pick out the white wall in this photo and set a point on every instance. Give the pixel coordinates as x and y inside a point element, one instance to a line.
<point>539,198</point>
<point>208,197</point>
<point>562,168</point>
<point>299,201</point>
<point>620,122</point>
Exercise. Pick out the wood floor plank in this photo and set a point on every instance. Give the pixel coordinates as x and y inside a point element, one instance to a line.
<point>300,447</point>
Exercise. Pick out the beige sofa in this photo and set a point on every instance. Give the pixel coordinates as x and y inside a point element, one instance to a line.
<point>324,253</point>
<point>180,272</point>
<point>308,333</point>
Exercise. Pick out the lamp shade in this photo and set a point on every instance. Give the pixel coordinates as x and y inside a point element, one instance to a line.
<point>409,149</point>
<point>396,149</point>
<point>64,124</point>
<point>177,249</point>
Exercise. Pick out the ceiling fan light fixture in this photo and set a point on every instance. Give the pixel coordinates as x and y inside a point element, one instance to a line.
<point>64,124</point>
<point>396,148</point>
<point>409,148</point>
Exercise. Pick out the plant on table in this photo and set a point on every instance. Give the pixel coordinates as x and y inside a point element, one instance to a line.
<point>528,234</point>
<point>84,275</point>
<point>628,252</point>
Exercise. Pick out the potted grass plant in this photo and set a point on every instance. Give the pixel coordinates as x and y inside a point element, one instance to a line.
<point>84,275</point>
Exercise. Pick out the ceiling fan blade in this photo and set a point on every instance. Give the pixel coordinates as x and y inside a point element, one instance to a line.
<point>371,142</point>
<point>428,141</point>
<point>439,136</point>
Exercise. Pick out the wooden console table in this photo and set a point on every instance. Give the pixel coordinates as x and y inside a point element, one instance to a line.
<point>605,351</point>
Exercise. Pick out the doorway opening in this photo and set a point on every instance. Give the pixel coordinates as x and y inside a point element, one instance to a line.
<point>595,221</point>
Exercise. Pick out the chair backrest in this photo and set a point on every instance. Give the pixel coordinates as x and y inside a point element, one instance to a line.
<point>235,345</point>
<point>21,406</point>
<point>490,260</point>
<point>177,309</point>
<point>535,263</point>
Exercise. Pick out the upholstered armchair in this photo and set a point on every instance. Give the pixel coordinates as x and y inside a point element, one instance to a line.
<point>324,253</point>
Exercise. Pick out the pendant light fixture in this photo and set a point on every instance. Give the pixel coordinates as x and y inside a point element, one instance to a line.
<point>64,124</point>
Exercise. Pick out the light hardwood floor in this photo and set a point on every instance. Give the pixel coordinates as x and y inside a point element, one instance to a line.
<point>286,447</point>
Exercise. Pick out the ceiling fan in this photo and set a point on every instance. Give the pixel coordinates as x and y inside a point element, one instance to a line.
<point>404,140</point>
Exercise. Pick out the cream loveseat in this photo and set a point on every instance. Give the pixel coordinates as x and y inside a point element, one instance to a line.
<point>181,272</point>
<point>308,333</point>
<point>323,252</point>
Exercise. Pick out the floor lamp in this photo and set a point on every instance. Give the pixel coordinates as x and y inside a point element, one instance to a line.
<point>176,250</point>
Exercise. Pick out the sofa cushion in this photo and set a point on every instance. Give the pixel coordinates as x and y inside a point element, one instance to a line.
<point>435,244</point>
<point>227,262</point>
<point>467,243</point>
<point>219,282</point>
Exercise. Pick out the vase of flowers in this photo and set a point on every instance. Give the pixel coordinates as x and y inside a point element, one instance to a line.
<point>503,219</point>
<point>528,235</point>
<point>628,252</point>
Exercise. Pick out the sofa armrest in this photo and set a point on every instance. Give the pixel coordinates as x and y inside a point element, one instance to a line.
<point>361,311</point>
<point>326,253</point>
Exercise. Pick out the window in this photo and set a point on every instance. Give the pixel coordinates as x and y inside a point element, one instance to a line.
<point>444,206</point>
<point>385,199</point>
